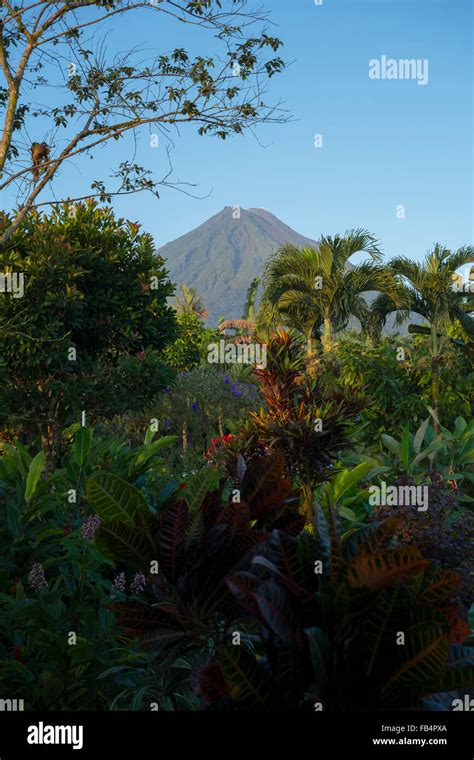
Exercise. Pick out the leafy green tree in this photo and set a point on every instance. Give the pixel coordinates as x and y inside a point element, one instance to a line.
<point>92,319</point>
<point>190,347</point>
<point>428,291</point>
<point>319,288</point>
<point>102,94</point>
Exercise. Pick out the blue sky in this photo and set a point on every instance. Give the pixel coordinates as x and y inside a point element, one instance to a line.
<point>385,143</point>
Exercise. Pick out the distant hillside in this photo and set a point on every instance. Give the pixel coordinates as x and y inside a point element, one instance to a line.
<point>220,258</point>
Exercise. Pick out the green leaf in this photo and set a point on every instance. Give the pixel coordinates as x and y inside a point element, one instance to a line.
<point>34,473</point>
<point>320,652</point>
<point>113,499</point>
<point>460,425</point>
<point>20,592</point>
<point>391,443</point>
<point>124,543</point>
<point>420,435</point>
<point>426,651</point>
<point>381,621</point>
<point>246,680</point>
<point>82,444</point>
<point>345,480</point>
<point>198,486</point>
<point>149,435</point>
<point>430,451</point>
<point>151,449</point>
<point>348,514</point>
<point>405,448</point>
<point>434,415</point>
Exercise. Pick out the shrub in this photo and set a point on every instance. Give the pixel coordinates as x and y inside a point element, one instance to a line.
<point>328,615</point>
<point>94,286</point>
<point>443,533</point>
<point>298,417</point>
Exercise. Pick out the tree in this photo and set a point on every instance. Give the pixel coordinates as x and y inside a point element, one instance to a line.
<point>189,303</point>
<point>428,291</point>
<point>191,345</point>
<point>313,288</point>
<point>99,96</point>
<point>93,320</point>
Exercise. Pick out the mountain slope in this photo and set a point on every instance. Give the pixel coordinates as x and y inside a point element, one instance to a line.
<point>220,258</point>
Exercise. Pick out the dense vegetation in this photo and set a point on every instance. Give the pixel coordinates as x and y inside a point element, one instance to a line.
<point>207,537</point>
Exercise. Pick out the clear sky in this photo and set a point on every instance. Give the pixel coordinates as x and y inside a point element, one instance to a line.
<point>386,143</point>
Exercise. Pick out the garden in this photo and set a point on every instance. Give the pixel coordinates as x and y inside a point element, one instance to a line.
<point>269,510</point>
<point>183,534</point>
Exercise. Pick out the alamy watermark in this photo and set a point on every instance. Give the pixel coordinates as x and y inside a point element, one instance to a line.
<point>401,68</point>
<point>463,287</point>
<point>12,705</point>
<point>399,496</point>
<point>45,734</point>
<point>12,282</point>
<point>237,353</point>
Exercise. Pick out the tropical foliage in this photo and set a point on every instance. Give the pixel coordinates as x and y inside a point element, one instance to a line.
<point>314,289</point>
<point>217,536</point>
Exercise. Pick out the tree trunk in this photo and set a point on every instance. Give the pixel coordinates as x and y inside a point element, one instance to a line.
<point>327,338</point>
<point>307,500</point>
<point>435,381</point>
<point>51,437</point>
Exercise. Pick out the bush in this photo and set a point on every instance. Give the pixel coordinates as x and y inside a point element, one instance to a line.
<point>190,347</point>
<point>399,390</point>
<point>95,295</point>
<point>443,533</point>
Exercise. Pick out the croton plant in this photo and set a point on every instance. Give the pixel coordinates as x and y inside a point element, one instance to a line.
<point>282,613</point>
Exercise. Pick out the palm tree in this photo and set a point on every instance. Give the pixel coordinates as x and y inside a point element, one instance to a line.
<point>189,303</point>
<point>429,291</point>
<point>313,288</point>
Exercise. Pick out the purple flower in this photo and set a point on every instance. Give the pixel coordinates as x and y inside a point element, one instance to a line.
<point>138,584</point>
<point>120,582</point>
<point>226,379</point>
<point>194,406</point>
<point>234,391</point>
<point>90,527</point>
<point>36,578</point>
